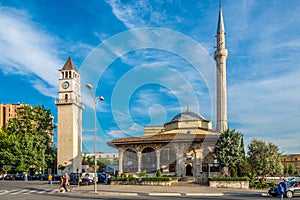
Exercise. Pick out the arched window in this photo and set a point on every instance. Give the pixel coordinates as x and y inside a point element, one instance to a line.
<point>168,159</point>
<point>66,97</point>
<point>149,160</point>
<point>130,161</point>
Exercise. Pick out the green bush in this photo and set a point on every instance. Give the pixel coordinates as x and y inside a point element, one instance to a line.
<point>143,173</point>
<point>230,179</point>
<point>262,185</point>
<point>157,179</point>
<point>158,173</point>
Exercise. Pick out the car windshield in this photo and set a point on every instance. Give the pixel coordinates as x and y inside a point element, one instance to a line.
<point>290,183</point>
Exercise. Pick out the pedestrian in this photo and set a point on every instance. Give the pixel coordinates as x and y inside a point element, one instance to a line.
<point>26,176</point>
<point>62,185</point>
<point>50,179</point>
<point>108,179</point>
<point>67,179</point>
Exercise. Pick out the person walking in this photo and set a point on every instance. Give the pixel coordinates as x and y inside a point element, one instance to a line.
<point>62,185</point>
<point>50,179</point>
<point>67,179</point>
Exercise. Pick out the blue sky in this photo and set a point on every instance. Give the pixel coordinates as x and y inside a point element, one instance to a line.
<point>148,85</point>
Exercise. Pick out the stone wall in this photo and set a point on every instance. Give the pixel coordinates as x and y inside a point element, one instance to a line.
<point>229,184</point>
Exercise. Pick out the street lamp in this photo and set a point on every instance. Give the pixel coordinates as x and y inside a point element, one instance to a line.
<point>95,99</point>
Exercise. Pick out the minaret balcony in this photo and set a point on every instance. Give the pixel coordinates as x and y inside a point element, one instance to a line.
<point>221,53</point>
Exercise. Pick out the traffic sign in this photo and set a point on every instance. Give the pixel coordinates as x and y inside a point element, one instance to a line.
<point>281,188</point>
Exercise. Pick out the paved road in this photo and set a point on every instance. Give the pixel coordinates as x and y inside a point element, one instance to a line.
<point>36,190</point>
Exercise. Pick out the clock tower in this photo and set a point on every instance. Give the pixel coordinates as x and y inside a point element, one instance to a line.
<point>69,148</point>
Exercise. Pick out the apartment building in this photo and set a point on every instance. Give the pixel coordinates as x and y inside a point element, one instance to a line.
<point>8,111</point>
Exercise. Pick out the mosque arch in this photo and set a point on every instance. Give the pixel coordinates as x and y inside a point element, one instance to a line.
<point>130,161</point>
<point>149,160</point>
<point>168,159</point>
<point>189,170</point>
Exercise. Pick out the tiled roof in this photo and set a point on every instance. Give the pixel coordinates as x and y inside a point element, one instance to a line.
<point>165,138</point>
<point>69,65</point>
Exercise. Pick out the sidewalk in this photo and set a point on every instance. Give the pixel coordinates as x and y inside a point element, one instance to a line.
<point>140,190</point>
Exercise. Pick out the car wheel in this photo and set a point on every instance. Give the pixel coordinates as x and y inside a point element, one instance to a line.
<point>274,195</point>
<point>289,194</point>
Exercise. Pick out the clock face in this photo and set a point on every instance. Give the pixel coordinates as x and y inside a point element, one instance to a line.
<point>76,87</point>
<point>65,85</point>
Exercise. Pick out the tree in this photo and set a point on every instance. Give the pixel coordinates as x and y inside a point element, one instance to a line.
<point>25,141</point>
<point>5,169</point>
<point>228,150</point>
<point>264,159</point>
<point>291,169</point>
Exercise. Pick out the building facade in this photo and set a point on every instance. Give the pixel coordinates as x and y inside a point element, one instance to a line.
<point>8,111</point>
<point>69,148</point>
<point>291,159</point>
<point>184,146</point>
<point>108,156</point>
<point>181,147</point>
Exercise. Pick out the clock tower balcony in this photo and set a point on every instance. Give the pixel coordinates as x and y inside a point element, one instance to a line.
<point>68,102</point>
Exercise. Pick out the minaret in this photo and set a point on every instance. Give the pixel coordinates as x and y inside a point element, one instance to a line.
<point>69,147</point>
<point>220,56</point>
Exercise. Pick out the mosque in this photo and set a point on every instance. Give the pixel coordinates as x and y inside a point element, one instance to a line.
<point>184,146</point>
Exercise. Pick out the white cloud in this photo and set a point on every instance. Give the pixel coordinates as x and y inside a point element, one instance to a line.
<point>28,50</point>
<point>267,109</point>
<point>132,131</point>
<point>143,13</point>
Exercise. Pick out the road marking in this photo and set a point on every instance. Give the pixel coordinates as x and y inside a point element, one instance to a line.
<point>27,191</point>
<point>12,191</point>
<point>20,191</point>
<point>4,192</point>
<point>164,194</point>
<point>205,194</point>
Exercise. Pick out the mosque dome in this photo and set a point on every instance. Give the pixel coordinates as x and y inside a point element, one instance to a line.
<point>187,116</point>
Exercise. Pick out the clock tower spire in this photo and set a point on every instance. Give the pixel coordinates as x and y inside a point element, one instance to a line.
<point>220,56</point>
<point>69,148</point>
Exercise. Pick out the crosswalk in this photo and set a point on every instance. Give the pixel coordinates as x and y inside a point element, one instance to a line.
<point>27,191</point>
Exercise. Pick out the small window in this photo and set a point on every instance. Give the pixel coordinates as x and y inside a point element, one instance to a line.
<point>296,159</point>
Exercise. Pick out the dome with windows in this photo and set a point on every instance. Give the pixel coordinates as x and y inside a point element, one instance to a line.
<point>187,116</point>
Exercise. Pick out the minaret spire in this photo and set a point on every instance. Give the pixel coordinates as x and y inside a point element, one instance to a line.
<point>220,56</point>
<point>220,21</point>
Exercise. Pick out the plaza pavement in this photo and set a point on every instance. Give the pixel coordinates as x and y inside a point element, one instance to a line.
<point>141,190</point>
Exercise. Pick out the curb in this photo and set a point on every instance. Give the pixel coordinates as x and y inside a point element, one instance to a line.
<point>205,194</point>
<point>114,193</point>
<point>164,194</point>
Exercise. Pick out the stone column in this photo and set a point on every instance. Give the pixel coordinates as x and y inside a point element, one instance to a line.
<point>179,161</point>
<point>139,157</point>
<point>157,159</point>
<point>121,153</point>
<point>198,161</point>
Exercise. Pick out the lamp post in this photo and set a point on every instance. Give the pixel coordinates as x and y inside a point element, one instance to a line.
<point>95,99</point>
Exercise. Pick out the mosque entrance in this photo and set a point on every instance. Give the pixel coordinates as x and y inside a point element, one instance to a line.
<point>189,170</point>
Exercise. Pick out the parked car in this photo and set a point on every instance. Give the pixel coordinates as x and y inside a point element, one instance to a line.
<point>101,177</point>
<point>293,189</point>
<point>10,177</point>
<point>55,177</point>
<point>85,180</point>
<point>41,177</point>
